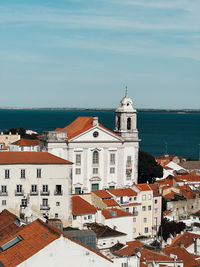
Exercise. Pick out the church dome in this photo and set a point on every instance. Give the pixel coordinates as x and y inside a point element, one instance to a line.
<point>126,104</point>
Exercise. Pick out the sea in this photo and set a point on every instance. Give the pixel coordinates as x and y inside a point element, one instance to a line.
<point>160,132</point>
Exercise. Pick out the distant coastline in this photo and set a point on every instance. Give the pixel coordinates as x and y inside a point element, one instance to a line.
<point>178,111</point>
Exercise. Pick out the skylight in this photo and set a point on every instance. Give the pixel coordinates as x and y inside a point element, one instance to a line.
<point>11,243</point>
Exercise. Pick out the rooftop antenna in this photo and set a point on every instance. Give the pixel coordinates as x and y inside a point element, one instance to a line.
<point>126,92</point>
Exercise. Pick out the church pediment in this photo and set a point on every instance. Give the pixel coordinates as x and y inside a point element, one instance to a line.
<point>97,134</point>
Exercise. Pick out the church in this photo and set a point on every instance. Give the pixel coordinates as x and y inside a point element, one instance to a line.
<point>101,158</point>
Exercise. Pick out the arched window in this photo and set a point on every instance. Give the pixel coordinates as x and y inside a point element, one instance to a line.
<point>118,123</point>
<point>129,124</point>
<point>95,158</point>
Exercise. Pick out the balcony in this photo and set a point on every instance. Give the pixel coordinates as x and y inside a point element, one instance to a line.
<point>45,193</point>
<point>34,193</point>
<point>58,193</point>
<point>44,207</point>
<point>3,193</point>
<point>19,193</point>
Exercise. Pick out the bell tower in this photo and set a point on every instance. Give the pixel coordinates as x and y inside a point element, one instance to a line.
<point>126,119</point>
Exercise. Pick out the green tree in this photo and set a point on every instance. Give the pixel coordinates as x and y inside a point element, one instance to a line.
<point>148,168</point>
<point>168,228</point>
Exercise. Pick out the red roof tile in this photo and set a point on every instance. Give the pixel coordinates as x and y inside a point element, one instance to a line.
<point>143,187</point>
<point>81,206</point>
<point>123,192</point>
<point>8,224</point>
<point>80,125</point>
<point>30,157</point>
<point>114,213</point>
<point>185,239</point>
<point>102,194</point>
<point>110,202</point>
<point>26,142</point>
<point>183,255</point>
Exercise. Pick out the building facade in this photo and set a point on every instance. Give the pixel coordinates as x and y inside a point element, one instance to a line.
<point>102,158</point>
<point>35,183</point>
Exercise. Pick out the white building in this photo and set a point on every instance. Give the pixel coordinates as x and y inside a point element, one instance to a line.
<point>38,180</point>
<point>102,158</point>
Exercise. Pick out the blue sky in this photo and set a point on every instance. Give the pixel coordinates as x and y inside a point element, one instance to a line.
<point>82,53</point>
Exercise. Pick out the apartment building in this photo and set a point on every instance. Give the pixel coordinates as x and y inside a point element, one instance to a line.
<point>35,183</point>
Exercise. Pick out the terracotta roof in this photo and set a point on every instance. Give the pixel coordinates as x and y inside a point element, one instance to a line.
<point>26,142</point>
<point>34,237</point>
<point>30,157</point>
<point>185,239</point>
<point>81,206</point>
<point>183,255</point>
<point>188,177</point>
<point>170,195</point>
<point>80,125</point>
<point>8,224</point>
<point>169,181</point>
<point>146,254</point>
<point>110,202</point>
<point>155,188</point>
<point>103,231</point>
<point>123,192</point>
<point>167,212</point>
<point>102,194</point>
<point>143,187</point>
<point>114,213</point>
<point>187,192</point>
<point>197,214</point>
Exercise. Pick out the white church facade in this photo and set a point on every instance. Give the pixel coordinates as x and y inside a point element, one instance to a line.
<point>102,158</point>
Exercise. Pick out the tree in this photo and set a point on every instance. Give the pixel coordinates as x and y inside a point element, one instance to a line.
<point>148,168</point>
<point>168,228</point>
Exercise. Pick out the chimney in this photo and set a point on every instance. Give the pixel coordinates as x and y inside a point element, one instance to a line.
<point>95,121</point>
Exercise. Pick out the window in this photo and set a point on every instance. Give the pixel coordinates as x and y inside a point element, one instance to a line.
<point>95,158</point>
<point>112,159</point>
<point>45,202</point>
<point>74,217</point>
<point>146,229</point>
<point>135,198</point>
<point>149,207</point>
<point>7,174</point>
<point>145,220</point>
<point>118,123</point>
<point>22,173</point>
<point>85,218</point>
<point>3,188</point>
<point>56,215</point>
<point>77,190</point>
<point>129,124</point>
<point>134,219</point>
<point>134,230</point>
<point>78,159</point>
<point>127,209</point>
<point>78,171</point>
<point>156,201</point>
<point>124,264</point>
<point>192,207</point>
<point>112,170</point>
<point>11,243</point>
<point>95,187</point>
<point>143,208</point>
<point>156,210</point>
<point>149,196</point>
<point>89,217</point>
<point>3,202</point>
<point>45,188</point>
<point>95,134</point>
<point>95,170</point>
<point>57,203</point>
<point>34,188</point>
<point>19,188</point>
<point>111,187</point>
<point>24,202</point>
<point>58,190</point>
<point>39,173</point>
<point>144,197</point>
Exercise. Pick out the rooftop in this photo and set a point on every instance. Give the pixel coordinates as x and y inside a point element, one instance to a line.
<point>26,142</point>
<point>103,231</point>
<point>114,213</point>
<point>123,192</point>
<point>30,157</point>
<point>185,239</point>
<point>81,206</point>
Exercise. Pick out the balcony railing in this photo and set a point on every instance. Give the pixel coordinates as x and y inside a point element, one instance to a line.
<point>44,207</point>
<point>19,193</point>
<point>44,193</point>
<point>3,193</point>
<point>58,193</point>
<point>34,193</point>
